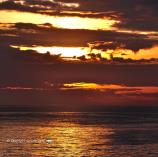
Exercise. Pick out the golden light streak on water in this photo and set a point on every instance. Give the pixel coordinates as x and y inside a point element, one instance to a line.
<point>76,134</point>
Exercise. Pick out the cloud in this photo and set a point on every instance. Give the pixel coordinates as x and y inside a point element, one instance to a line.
<point>11,5</point>
<point>46,35</point>
<point>37,6</point>
<point>13,55</point>
<point>105,45</point>
<point>29,80</point>
<point>130,44</point>
<point>37,98</point>
<point>29,68</point>
<point>140,15</point>
<point>133,14</point>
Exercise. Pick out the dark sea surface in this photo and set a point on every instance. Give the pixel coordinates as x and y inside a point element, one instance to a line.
<point>76,134</point>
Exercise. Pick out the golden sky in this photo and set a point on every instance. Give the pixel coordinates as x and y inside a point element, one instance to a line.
<point>127,40</point>
<point>56,21</point>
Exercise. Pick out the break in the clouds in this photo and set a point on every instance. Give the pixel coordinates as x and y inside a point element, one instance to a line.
<point>133,14</point>
<point>29,34</point>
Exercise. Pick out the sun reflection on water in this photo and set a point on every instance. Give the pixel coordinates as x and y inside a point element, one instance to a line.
<point>78,134</point>
<point>71,139</point>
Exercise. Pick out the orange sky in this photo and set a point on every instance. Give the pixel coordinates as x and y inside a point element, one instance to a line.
<point>75,23</point>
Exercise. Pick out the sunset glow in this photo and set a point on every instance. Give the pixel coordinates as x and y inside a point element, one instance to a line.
<point>61,52</point>
<point>93,86</point>
<point>78,78</point>
<point>119,89</point>
<point>57,21</point>
<point>79,51</point>
<point>64,51</point>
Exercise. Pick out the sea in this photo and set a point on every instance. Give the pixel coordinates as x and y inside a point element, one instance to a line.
<point>79,134</point>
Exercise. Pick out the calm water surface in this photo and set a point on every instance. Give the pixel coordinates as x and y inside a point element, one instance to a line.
<point>78,134</point>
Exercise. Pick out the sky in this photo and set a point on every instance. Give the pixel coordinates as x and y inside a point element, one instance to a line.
<point>77,54</point>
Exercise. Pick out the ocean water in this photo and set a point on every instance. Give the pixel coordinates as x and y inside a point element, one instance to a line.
<point>75,134</point>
